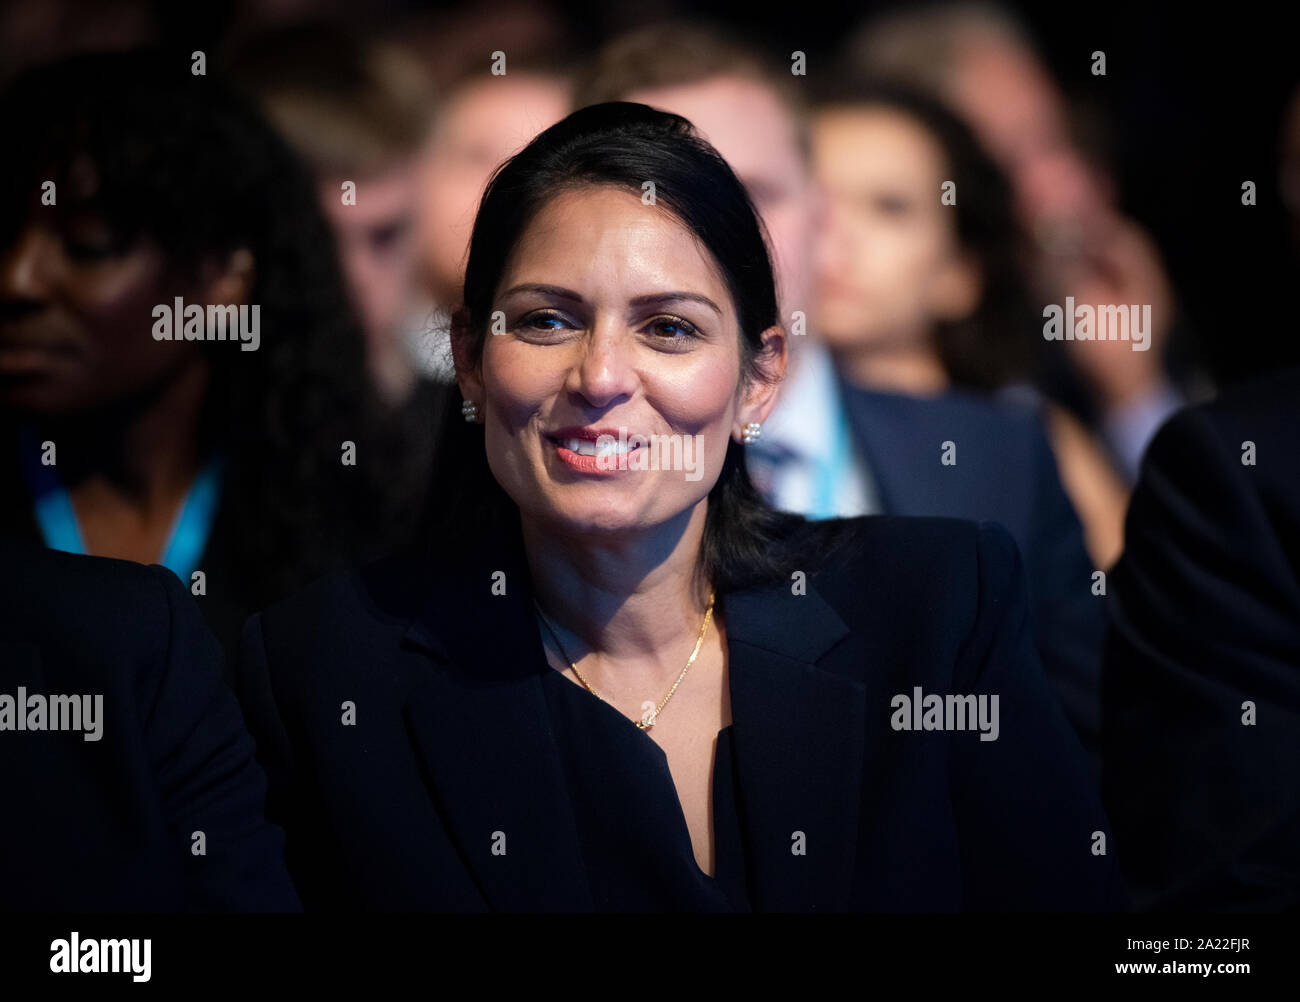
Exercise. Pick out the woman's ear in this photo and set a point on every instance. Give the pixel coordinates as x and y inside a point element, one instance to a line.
<point>761,395</point>
<point>956,291</point>
<point>467,378</point>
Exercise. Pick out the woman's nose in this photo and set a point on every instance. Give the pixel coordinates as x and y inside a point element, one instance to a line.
<point>24,271</point>
<point>606,370</point>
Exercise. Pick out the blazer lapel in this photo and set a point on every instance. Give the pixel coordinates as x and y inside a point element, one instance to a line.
<point>483,732</point>
<point>482,729</point>
<point>799,732</point>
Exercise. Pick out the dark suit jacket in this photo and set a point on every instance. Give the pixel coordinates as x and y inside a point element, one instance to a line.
<point>1205,617</point>
<point>451,742</point>
<point>106,825</point>
<point>1004,472</point>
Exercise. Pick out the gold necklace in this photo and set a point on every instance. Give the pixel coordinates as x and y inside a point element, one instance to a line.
<point>648,720</point>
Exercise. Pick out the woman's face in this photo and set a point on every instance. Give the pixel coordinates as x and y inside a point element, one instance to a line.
<point>889,265</point>
<point>614,318</point>
<point>76,315</point>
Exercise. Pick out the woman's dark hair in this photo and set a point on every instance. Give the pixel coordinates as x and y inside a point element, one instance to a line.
<point>992,346</point>
<point>183,162</point>
<point>623,145</point>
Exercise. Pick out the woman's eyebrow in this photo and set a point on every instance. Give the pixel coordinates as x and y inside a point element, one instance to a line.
<point>650,299</point>
<point>656,298</point>
<point>546,290</point>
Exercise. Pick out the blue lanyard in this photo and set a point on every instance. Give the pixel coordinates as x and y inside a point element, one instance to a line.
<point>52,505</point>
<point>834,468</point>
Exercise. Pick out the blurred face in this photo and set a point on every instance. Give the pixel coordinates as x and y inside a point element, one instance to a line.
<point>376,241</point>
<point>1014,106</point>
<point>617,319</point>
<point>76,316</point>
<point>889,266</point>
<point>756,134</point>
<point>481,125</point>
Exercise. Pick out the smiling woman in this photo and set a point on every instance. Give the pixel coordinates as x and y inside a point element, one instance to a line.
<point>681,275</point>
<point>631,689</point>
<point>589,348</point>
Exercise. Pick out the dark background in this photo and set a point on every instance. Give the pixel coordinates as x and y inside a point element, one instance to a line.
<point>1191,106</point>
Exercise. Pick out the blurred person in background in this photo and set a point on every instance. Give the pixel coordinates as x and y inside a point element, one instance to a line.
<point>31,34</point>
<point>454,42</point>
<point>1201,744</point>
<point>750,110</point>
<point>358,111</point>
<point>1201,683</point>
<point>924,310</point>
<point>921,295</point>
<point>981,61</point>
<point>483,119</point>
<point>131,183</point>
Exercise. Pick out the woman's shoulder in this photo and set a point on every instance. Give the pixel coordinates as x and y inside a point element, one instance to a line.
<point>861,537</point>
<point>904,553</point>
<point>910,590</point>
<point>41,589</point>
<point>346,610</point>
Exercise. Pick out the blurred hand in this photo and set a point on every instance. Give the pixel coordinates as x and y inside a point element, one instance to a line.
<point>1119,264</point>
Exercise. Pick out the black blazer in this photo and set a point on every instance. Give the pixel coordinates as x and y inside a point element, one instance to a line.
<point>1205,617</point>
<point>451,744</point>
<point>1004,472</point>
<point>106,825</point>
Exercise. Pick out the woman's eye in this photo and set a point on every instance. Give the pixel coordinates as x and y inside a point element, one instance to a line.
<point>543,321</point>
<point>674,328</point>
<point>88,237</point>
<point>891,205</point>
<point>93,249</point>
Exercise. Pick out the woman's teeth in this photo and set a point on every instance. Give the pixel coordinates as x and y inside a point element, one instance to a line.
<point>585,447</point>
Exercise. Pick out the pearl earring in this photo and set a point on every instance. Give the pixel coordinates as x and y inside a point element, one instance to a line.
<point>469,410</point>
<point>751,433</point>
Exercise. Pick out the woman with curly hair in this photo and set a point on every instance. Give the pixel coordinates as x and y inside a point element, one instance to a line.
<point>240,464</point>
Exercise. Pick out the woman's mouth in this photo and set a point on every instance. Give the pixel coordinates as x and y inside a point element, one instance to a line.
<point>608,446</point>
<point>603,455</point>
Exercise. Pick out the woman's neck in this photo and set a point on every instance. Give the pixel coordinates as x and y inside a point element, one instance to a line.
<point>911,370</point>
<point>393,374</point>
<point>626,600</point>
<point>129,467</point>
